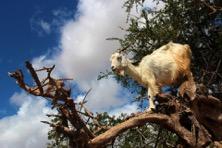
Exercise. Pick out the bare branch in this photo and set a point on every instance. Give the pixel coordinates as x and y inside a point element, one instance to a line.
<point>60,128</point>
<point>34,75</point>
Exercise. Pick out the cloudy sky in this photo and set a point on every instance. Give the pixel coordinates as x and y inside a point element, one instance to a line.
<point>71,34</point>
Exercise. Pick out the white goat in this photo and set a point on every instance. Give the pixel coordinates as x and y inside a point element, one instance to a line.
<point>165,66</point>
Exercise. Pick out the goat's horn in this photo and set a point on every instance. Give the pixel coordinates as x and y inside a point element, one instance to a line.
<point>118,50</point>
<point>121,50</point>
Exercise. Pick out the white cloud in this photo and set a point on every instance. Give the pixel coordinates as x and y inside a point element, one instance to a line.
<point>125,109</point>
<point>45,26</point>
<point>62,13</point>
<point>24,129</point>
<point>19,98</point>
<point>104,96</point>
<point>40,26</point>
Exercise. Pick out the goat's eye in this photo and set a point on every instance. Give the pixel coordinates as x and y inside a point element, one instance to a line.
<point>119,58</point>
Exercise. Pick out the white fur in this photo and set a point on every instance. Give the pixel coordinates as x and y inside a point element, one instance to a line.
<point>163,67</point>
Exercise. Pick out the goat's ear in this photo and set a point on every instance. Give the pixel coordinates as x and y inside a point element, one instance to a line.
<point>130,60</point>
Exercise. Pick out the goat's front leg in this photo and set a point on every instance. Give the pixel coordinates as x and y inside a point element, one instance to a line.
<point>152,92</point>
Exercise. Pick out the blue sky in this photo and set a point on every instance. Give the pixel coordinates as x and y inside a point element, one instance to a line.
<point>20,39</point>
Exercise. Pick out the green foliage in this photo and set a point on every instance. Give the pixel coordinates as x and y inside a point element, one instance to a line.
<point>147,136</point>
<point>57,140</point>
<point>105,120</point>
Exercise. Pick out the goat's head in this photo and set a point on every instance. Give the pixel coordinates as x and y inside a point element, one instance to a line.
<point>118,63</point>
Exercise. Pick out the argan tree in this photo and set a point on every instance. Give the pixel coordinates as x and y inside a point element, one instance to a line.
<point>177,121</point>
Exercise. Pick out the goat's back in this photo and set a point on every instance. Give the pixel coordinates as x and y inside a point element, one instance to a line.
<point>180,50</point>
<point>168,62</point>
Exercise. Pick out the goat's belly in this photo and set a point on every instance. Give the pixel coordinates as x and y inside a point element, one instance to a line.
<point>165,75</point>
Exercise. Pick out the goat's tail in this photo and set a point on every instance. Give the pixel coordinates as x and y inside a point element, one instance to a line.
<point>188,50</point>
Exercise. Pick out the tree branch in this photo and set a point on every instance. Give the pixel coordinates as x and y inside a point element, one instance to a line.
<point>34,75</point>
<point>131,123</point>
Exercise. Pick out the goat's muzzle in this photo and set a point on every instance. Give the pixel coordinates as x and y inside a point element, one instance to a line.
<point>113,68</point>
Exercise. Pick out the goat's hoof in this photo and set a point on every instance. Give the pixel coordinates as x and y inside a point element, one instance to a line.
<point>153,109</point>
<point>150,110</point>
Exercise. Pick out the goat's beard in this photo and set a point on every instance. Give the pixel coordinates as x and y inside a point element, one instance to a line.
<point>120,72</point>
